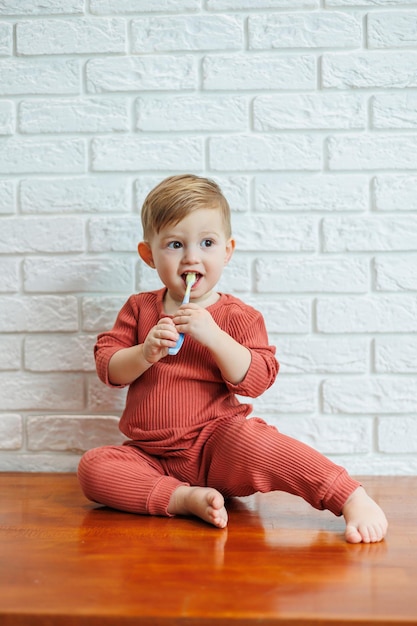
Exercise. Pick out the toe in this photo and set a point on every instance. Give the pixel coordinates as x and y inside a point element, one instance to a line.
<point>352,534</point>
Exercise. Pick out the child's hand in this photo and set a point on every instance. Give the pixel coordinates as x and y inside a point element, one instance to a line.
<point>232,358</point>
<point>197,322</point>
<point>161,337</point>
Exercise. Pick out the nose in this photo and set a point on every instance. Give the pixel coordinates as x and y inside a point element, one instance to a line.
<point>190,254</point>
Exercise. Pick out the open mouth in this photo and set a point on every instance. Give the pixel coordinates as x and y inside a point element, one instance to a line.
<point>197,277</point>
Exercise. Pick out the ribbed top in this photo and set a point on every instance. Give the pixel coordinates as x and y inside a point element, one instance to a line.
<point>172,401</point>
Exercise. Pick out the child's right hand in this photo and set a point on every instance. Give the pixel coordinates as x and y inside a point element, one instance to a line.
<point>160,338</point>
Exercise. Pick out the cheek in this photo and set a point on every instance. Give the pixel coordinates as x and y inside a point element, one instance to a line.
<point>218,266</point>
<point>160,259</point>
<point>166,266</point>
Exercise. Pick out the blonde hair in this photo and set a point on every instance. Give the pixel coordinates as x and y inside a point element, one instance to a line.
<point>176,197</point>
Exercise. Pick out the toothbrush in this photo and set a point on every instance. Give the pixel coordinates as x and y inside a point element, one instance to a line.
<point>190,279</point>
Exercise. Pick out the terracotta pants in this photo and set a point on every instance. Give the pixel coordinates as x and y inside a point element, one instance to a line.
<point>238,458</point>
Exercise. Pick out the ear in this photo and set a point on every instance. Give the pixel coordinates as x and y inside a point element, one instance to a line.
<point>145,253</point>
<point>230,247</point>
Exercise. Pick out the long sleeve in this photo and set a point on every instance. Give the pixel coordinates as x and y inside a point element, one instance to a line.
<point>248,328</point>
<point>125,332</point>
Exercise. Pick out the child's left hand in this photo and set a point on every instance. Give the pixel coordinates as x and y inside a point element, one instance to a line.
<point>232,358</point>
<point>197,322</point>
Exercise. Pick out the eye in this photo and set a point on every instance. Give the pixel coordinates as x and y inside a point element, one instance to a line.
<point>207,243</point>
<point>175,245</point>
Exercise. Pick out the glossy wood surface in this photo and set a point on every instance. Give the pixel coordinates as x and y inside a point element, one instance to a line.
<point>66,562</point>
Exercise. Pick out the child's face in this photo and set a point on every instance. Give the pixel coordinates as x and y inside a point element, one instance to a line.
<point>196,244</point>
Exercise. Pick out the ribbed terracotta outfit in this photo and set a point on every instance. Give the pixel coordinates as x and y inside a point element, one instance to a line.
<point>185,425</point>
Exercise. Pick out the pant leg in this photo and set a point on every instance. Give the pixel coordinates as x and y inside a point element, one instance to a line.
<point>125,478</point>
<point>243,457</point>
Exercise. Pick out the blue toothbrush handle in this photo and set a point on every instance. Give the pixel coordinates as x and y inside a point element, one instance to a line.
<point>173,351</point>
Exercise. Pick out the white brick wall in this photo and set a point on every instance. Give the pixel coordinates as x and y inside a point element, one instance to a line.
<point>305,111</point>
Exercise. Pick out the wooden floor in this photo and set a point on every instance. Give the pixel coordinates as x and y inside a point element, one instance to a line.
<point>66,562</point>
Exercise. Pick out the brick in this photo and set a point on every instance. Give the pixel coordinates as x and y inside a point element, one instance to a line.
<point>275,233</point>
<point>39,462</point>
<point>38,314</point>
<point>114,234</point>
<point>134,153</point>
<point>6,39</point>
<point>397,434</point>
<point>34,234</point>
<point>291,394</point>
<point>369,396</point>
<point>9,275</point>
<point>21,156</point>
<point>311,192</point>
<point>92,194</point>
<point>10,353</point>
<point>72,433</point>
<point>366,3</point>
<point>56,275</point>
<point>284,315</point>
<point>237,276</point>
<point>392,30</point>
<point>99,312</point>
<point>7,197</point>
<point>187,33</point>
<point>191,112</point>
<point>104,399</point>
<point>33,392</point>
<point>309,111</point>
<point>322,356</point>
<point>235,5</point>
<point>60,353</point>
<point>378,465</point>
<point>7,118</point>
<point>236,190</point>
<point>329,435</point>
<point>369,152</point>
<point>39,76</point>
<point>265,72</point>
<point>139,6</point>
<point>143,186</point>
<point>304,30</point>
<point>75,115</point>
<point>11,432</point>
<point>80,36</point>
<point>41,7</point>
<point>265,152</point>
<point>153,73</point>
<point>311,275</point>
<point>147,278</point>
<point>368,314</point>
<point>369,69</point>
<point>395,192</point>
<point>234,187</point>
<point>397,273</point>
<point>369,233</point>
<point>394,111</point>
<point>396,355</point>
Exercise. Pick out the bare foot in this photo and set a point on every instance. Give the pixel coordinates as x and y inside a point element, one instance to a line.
<point>365,520</point>
<point>204,502</point>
